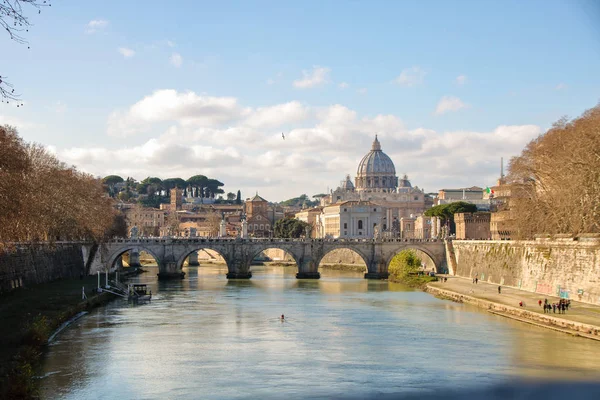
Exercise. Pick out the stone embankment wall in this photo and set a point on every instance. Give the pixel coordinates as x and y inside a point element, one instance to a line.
<point>518,313</point>
<point>566,267</point>
<point>31,264</point>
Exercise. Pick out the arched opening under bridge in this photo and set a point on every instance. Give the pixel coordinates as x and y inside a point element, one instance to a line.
<point>343,262</point>
<point>203,263</point>
<point>133,258</point>
<point>412,260</point>
<point>274,261</point>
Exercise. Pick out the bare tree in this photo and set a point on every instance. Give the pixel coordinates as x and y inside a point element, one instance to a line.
<point>43,199</point>
<point>14,21</point>
<point>558,175</point>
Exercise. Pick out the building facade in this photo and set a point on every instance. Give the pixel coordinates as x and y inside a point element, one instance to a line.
<point>351,219</point>
<point>473,225</point>
<point>376,182</point>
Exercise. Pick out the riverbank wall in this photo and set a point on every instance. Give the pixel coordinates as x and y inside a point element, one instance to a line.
<point>562,266</point>
<point>31,264</point>
<point>542,320</point>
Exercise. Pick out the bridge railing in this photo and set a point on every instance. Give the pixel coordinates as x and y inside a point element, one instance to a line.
<point>156,240</point>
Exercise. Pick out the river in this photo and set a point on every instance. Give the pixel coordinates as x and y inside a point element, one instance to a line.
<point>206,337</point>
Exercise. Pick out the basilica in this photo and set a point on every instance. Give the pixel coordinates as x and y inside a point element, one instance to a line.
<point>377,202</point>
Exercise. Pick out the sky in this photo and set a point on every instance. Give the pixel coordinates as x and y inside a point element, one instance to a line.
<point>175,89</point>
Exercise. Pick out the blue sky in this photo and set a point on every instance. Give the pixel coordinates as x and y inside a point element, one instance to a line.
<point>175,89</point>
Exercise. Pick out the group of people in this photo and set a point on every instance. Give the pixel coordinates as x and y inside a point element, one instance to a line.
<point>562,306</point>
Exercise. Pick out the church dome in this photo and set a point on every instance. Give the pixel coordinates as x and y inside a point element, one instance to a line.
<point>376,162</point>
<point>376,170</point>
<point>347,184</point>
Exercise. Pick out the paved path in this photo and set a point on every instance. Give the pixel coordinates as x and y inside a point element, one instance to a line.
<point>578,312</point>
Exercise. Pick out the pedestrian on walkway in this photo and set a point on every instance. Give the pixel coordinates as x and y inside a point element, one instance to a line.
<point>554,308</point>
<point>564,307</point>
<point>499,289</point>
<point>476,279</point>
<point>568,304</point>
<point>540,302</point>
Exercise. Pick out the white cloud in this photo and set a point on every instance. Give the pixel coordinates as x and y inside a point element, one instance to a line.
<point>318,76</point>
<point>343,85</point>
<point>176,60</point>
<point>278,115</point>
<point>411,77</point>
<point>461,80</point>
<point>243,147</point>
<point>362,91</point>
<point>561,86</point>
<point>168,105</point>
<point>125,52</point>
<point>448,104</point>
<point>95,25</point>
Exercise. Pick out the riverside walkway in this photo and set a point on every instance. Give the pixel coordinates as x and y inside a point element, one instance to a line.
<point>578,313</point>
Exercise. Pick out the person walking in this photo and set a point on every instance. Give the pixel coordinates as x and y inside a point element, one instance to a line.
<point>540,302</point>
<point>554,308</point>
<point>499,289</point>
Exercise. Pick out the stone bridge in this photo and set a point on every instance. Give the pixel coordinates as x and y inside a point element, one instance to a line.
<point>170,253</point>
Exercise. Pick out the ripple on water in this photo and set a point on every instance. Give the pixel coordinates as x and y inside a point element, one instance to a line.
<point>213,339</point>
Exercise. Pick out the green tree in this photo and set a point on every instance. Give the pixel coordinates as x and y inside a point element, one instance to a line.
<point>238,198</point>
<point>446,212</point>
<point>405,263</point>
<point>110,181</point>
<point>230,196</point>
<point>213,187</point>
<point>290,228</point>
<point>172,183</point>
<point>197,182</point>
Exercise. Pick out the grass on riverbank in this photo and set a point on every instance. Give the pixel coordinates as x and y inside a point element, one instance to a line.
<point>405,268</point>
<point>29,316</point>
<point>414,281</point>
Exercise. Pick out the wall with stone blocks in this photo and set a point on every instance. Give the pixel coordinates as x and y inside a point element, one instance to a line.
<point>564,267</point>
<point>27,265</point>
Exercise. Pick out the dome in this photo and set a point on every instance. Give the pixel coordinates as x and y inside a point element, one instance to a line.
<point>404,182</point>
<point>376,170</point>
<point>376,162</point>
<point>347,184</point>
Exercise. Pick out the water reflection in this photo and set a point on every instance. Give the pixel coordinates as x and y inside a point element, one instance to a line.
<point>207,337</point>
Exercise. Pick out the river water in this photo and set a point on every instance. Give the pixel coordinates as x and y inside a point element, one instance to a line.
<point>209,338</point>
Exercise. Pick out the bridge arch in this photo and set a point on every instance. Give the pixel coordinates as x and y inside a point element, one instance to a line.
<point>354,249</point>
<point>118,253</point>
<point>194,249</point>
<point>284,248</point>
<point>420,250</point>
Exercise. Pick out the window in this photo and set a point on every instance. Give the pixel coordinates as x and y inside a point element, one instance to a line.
<point>262,227</point>
<point>256,227</point>
<point>345,233</point>
<point>374,210</point>
<point>345,209</point>
<point>416,197</point>
<point>345,225</point>
<point>360,224</point>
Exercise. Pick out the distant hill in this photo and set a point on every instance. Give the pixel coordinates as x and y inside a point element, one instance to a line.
<point>299,202</point>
